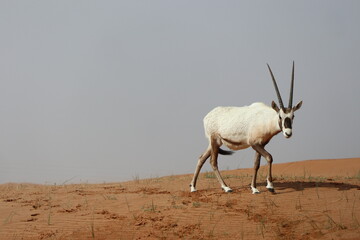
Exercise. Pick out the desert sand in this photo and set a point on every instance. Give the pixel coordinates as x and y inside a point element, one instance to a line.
<point>316,199</point>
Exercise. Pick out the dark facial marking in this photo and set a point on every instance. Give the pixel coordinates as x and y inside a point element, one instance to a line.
<point>287,123</point>
<point>287,110</point>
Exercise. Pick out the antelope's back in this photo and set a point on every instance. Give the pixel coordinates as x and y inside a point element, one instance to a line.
<point>230,121</point>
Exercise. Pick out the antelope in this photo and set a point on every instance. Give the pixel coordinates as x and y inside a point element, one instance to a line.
<point>242,127</point>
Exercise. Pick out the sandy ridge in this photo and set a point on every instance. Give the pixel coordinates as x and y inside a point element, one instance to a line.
<point>316,199</point>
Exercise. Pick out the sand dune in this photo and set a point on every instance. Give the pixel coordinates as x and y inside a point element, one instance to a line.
<point>316,199</point>
<point>324,167</point>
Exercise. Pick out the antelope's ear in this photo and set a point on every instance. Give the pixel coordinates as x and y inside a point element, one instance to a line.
<point>274,106</point>
<point>298,106</point>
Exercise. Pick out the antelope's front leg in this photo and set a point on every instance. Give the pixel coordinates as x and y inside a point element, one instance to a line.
<point>261,150</point>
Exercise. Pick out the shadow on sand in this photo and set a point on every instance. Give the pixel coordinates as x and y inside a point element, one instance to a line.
<point>302,185</point>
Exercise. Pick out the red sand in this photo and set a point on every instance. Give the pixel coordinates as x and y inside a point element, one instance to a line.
<point>317,199</point>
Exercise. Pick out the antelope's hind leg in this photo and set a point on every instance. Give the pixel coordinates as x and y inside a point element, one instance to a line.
<point>214,165</point>
<point>256,168</point>
<point>201,161</point>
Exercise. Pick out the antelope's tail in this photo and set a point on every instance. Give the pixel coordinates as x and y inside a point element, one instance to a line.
<point>224,152</point>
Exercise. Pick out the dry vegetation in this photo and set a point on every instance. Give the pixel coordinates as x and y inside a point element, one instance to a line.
<point>307,205</point>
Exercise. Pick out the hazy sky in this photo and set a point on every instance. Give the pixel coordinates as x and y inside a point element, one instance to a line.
<point>112,90</point>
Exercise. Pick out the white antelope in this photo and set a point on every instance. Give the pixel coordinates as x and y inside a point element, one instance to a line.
<point>242,127</point>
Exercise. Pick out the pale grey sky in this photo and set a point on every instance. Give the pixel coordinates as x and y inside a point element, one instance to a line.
<point>111,90</point>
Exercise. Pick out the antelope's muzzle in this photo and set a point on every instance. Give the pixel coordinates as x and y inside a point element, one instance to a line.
<point>287,128</point>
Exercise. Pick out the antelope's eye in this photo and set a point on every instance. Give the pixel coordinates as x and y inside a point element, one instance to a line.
<point>280,117</point>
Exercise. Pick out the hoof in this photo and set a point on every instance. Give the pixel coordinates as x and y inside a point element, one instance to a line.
<point>192,189</point>
<point>272,190</point>
<point>255,190</point>
<point>227,189</point>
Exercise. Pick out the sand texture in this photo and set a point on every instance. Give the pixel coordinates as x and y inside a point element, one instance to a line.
<point>317,199</point>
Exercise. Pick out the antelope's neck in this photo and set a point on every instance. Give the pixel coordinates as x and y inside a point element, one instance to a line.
<point>276,124</point>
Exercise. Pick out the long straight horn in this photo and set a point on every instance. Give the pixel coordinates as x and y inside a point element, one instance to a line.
<point>276,88</point>
<point>292,86</point>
